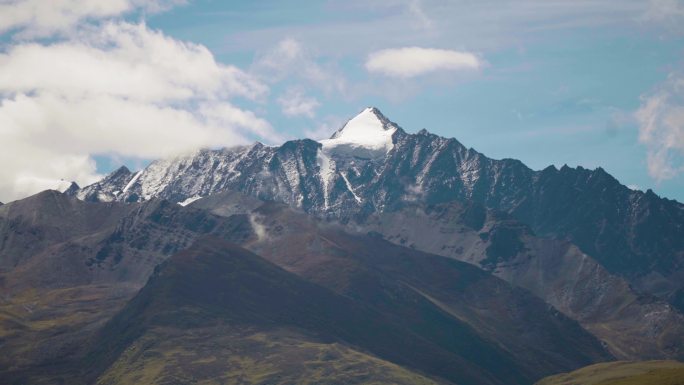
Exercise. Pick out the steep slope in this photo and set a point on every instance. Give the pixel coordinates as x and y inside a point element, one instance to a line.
<point>466,319</point>
<point>371,165</point>
<point>46,219</point>
<point>68,266</point>
<point>372,270</point>
<point>51,240</point>
<point>622,373</point>
<point>218,285</point>
<point>633,326</point>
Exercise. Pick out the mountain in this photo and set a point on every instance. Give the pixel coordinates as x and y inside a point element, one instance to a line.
<point>215,283</point>
<point>371,165</point>
<point>61,298</point>
<point>402,257</point>
<point>632,325</point>
<point>67,266</point>
<point>218,286</point>
<point>368,268</point>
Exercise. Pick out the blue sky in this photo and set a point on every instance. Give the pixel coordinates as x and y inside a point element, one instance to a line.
<point>582,82</point>
<point>556,89</point>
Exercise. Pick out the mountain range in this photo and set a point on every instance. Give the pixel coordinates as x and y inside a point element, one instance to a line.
<point>373,256</point>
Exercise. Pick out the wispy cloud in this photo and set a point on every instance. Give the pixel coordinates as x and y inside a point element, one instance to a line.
<point>661,128</point>
<point>667,13</point>
<point>291,60</point>
<point>295,103</point>
<point>420,18</point>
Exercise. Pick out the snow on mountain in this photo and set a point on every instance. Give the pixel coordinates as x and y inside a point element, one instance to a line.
<point>368,165</point>
<point>372,166</point>
<point>367,135</point>
<point>108,189</point>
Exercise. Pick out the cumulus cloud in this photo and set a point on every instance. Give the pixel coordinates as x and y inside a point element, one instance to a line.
<point>39,18</point>
<point>124,60</point>
<point>661,128</point>
<point>414,61</point>
<point>118,89</point>
<point>295,103</point>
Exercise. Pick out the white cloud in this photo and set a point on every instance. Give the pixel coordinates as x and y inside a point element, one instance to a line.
<point>118,90</point>
<point>295,103</point>
<point>125,60</point>
<point>414,61</point>
<point>39,18</point>
<point>661,128</point>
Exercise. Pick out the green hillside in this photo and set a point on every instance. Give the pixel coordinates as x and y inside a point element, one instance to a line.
<point>622,373</point>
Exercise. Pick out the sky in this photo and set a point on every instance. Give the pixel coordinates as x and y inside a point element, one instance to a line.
<point>87,85</point>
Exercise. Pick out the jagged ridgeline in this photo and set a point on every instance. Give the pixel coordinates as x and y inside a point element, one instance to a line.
<point>371,165</point>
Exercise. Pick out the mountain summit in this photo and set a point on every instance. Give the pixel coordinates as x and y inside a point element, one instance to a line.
<point>369,134</point>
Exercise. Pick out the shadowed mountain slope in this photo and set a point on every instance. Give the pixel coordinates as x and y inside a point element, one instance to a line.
<point>470,327</point>
<point>381,274</point>
<point>218,284</point>
<point>633,325</point>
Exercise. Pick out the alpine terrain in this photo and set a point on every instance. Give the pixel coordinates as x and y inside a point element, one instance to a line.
<point>374,256</point>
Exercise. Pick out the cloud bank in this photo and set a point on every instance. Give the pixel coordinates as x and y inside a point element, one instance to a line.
<point>114,89</point>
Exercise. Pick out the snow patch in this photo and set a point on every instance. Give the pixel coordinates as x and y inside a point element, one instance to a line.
<point>327,170</point>
<point>190,200</point>
<point>132,181</point>
<point>350,188</point>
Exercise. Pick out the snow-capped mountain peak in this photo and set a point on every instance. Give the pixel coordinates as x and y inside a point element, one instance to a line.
<point>367,135</point>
